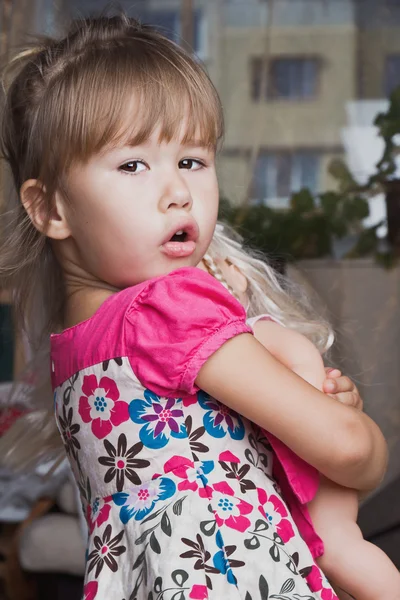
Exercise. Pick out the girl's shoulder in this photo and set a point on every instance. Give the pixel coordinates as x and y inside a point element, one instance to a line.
<point>175,313</point>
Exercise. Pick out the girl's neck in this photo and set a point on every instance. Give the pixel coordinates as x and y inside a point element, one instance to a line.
<point>83,301</point>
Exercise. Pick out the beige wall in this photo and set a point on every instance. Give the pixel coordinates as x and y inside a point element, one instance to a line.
<point>375,45</point>
<point>368,332</point>
<point>283,124</point>
<point>288,123</point>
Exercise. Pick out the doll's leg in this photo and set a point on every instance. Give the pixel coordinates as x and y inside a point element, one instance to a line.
<point>358,567</point>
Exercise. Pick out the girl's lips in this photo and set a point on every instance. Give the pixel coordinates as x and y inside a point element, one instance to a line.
<point>179,249</point>
<point>187,225</point>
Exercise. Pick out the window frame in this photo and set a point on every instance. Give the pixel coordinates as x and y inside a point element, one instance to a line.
<point>294,157</point>
<point>257,63</point>
<point>388,57</point>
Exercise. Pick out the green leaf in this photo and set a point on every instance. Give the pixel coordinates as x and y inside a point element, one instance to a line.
<point>288,586</point>
<point>264,588</point>
<point>154,515</point>
<point>274,553</point>
<point>144,535</point>
<point>166,525</point>
<point>154,544</point>
<point>179,577</point>
<point>302,201</point>
<point>158,583</point>
<point>252,544</point>
<point>139,560</point>
<point>208,527</point>
<point>178,596</point>
<point>177,507</point>
<point>261,525</point>
<point>341,173</point>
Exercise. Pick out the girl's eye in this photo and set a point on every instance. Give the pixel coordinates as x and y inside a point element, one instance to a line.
<point>191,164</point>
<point>133,167</point>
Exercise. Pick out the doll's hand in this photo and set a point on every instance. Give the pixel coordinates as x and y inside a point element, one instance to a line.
<point>341,388</point>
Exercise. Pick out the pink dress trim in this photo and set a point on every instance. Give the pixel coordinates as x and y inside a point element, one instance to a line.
<point>298,480</point>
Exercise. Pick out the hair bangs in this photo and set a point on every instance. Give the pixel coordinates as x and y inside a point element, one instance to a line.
<point>121,97</point>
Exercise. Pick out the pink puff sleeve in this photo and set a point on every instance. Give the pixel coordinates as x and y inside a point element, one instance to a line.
<point>175,324</point>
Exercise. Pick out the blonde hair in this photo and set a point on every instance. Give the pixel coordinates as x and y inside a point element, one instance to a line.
<point>66,100</point>
<point>268,292</point>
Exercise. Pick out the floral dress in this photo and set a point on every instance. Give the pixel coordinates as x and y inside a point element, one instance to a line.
<point>177,489</point>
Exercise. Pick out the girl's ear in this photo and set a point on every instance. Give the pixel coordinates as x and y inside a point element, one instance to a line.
<point>33,198</point>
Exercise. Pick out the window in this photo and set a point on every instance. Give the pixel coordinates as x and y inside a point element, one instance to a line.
<point>279,174</point>
<point>392,73</point>
<point>290,78</point>
<point>169,24</point>
<point>167,21</point>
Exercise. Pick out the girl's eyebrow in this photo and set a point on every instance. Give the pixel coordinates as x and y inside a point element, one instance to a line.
<point>198,144</point>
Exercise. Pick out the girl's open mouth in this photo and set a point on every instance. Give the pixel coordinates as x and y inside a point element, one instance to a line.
<point>181,242</point>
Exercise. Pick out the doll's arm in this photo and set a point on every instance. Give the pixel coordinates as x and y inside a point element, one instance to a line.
<point>293,350</point>
<point>342,443</point>
<point>301,356</point>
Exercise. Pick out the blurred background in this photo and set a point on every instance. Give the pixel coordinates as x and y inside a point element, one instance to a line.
<point>309,174</point>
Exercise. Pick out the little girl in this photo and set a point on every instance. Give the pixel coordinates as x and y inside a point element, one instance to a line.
<point>160,388</point>
<point>351,563</point>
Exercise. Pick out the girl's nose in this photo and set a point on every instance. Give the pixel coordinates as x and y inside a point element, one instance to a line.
<point>176,194</point>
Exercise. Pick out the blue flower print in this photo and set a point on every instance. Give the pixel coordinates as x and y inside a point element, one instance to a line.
<point>220,420</point>
<point>160,420</point>
<point>138,501</point>
<point>222,562</point>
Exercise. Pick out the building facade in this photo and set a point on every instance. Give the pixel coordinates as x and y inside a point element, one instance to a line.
<point>285,80</point>
<point>286,71</point>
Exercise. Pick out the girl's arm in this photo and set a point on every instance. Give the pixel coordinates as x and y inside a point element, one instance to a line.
<point>343,443</point>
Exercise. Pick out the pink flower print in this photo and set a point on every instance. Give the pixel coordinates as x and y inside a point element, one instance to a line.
<point>184,468</point>
<point>227,456</point>
<point>317,582</point>
<point>199,592</point>
<point>228,509</point>
<point>274,510</point>
<point>188,401</point>
<point>179,466</point>
<point>97,512</point>
<point>90,590</point>
<point>101,405</point>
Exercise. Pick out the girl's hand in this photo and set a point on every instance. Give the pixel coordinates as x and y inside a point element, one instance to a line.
<point>339,387</point>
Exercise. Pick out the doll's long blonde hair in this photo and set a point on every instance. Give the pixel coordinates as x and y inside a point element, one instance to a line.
<point>268,292</point>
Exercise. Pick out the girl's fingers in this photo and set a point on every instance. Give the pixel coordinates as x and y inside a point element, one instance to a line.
<point>349,399</point>
<point>332,373</point>
<point>342,388</point>
<point>338,384</point>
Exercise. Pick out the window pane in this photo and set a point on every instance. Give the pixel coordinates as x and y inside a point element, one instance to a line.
<point>255,74</point>
<point>281,85</point>
<point>305,172</point>
<point>392,73</point>
<point>259,186</point>
<point>309,78</point>
<point>283,175</point>
<point>293,78</point>
<point>279,174</point>
<point>166,21</point>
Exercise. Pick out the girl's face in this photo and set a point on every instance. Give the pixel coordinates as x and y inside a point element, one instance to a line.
<point>134,213</point>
